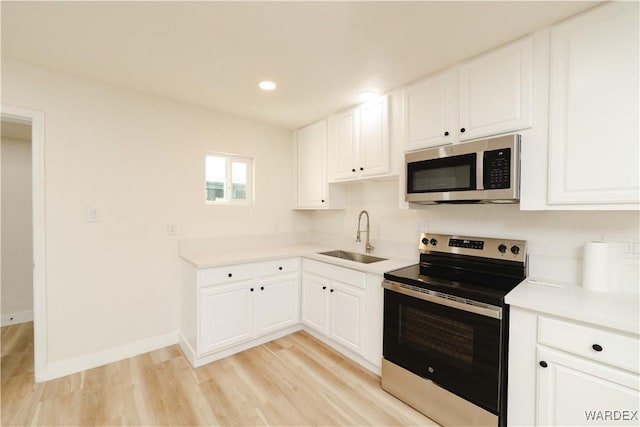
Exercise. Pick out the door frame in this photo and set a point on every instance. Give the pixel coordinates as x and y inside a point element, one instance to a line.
<point>36,120</point>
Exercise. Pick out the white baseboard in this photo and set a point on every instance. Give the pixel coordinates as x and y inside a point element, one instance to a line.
<point>187,350</point>
<point>349,354</point>
<point>93,360</point>
<point>212,357</point>
<point>15,318</point>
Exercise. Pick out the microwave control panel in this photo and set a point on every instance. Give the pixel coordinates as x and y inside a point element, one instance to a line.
<point>497,169</point>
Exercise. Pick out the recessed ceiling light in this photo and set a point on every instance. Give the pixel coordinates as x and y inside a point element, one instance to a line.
<point>366,95</point>
<point>267,85</point>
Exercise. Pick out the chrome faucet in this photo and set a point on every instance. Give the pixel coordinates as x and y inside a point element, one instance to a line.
<point>367,245</point>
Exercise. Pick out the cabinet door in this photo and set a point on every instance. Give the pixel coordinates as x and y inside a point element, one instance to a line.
<point>347,315</point>
<point>226,315</point>
<point>431,110</point>
<point>373,326</point>
<point>593,118</point>
<point>315,303</point>
<point>495,91</point>
<point>278,302</point>
<point>573,391</point>
<point>374,150</point>
<point>343,145</point>
<point>312,155</point>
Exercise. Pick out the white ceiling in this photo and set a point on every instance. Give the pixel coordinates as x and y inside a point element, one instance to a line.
<point>213,54</point>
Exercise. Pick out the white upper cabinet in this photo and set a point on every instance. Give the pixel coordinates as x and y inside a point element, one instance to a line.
<point>374,150</point>
<point>310,152</point>
<point>495,91</point>
<point>343,151</point>
<point>359,142</point>
<point>593,118</point>
<point>312,165</point>
<point>431,111</point>
<point>488,95</point>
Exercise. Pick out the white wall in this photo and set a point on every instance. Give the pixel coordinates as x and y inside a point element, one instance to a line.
<point>17,248</point>
<point>140,161</point>
<point>555,239</point>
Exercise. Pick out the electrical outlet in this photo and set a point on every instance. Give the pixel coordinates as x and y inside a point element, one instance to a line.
<point>626,246</point>
<point>93,215</point>
<point>172,230</point>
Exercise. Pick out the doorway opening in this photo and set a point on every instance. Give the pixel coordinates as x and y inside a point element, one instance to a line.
<point>17,227</point>
<point>23,279</point>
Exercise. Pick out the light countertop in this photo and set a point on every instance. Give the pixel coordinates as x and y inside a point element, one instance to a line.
<point>219,259</point>
<point>609,309</point>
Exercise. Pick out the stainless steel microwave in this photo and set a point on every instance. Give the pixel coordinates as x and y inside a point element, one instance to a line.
<point>483,171</point>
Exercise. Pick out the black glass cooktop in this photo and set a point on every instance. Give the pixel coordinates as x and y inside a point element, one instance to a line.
<point>489,287</point>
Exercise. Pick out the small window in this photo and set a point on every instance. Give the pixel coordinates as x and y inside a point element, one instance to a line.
<point>229,179</point>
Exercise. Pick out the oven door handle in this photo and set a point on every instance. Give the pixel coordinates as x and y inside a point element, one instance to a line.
<point>477,308</point>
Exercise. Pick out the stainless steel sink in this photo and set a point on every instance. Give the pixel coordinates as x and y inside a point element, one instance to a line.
<point>352,256</point>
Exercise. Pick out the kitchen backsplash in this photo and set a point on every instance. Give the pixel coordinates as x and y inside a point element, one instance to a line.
<point>555,238</point>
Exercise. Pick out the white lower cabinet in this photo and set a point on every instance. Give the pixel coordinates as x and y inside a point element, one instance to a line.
<point>573,391</point>
<point>278,305</point>
<point>315,302</point>
<point>228,309</point>
<point>333,303</point>
<point>335,309</point>
<point>226,315</point>
<point>567,373</point>
<point>347,308</point>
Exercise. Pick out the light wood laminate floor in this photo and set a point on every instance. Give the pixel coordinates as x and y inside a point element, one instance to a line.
<point>293,381</point>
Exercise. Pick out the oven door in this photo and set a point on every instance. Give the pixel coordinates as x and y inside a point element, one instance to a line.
<point>457,349</point>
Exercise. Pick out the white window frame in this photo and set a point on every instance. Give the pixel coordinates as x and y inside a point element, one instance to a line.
<point>229,159</point>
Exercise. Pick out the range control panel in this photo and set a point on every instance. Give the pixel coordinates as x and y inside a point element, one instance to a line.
<point>496,248</point>
<point>466,243</point>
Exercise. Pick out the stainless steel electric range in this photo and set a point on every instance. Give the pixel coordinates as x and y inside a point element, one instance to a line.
<point>446,328</point>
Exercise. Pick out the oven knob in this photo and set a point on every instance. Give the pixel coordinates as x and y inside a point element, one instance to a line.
<point>502,248</point>
<point>425,241</point>
<point>515,250</point>
<point>433,242</point>
<point>430,369</point>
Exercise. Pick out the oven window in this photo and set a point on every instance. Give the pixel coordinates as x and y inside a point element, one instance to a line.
<point>448,338</point>
<point>446,174</point>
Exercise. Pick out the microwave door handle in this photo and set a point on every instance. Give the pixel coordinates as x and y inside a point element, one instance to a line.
<point>479,170</point>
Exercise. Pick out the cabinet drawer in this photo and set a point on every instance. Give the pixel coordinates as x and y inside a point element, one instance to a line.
<point>227,274</point>
<point>267,268</point>
<point>333,272</point>
<point>607,347</point>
